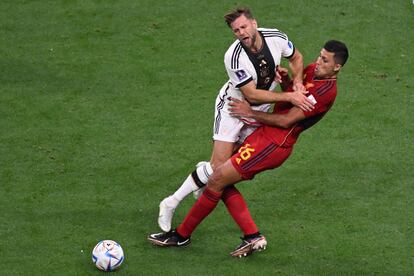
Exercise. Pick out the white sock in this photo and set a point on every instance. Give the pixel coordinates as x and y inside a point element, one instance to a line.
<point>171,201</point>
<point>186,188</point>
<point>204,171</point>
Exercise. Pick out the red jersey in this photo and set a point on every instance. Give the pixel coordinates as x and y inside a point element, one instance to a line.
<point>324,92</point>
<point>268,147</point>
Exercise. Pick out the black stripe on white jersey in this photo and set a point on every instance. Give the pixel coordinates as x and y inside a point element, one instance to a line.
<point>235,56</point>
<point>274,34</point>
<point>219,107</point>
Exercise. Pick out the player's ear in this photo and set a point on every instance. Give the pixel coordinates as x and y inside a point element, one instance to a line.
<point>337,67</point>
<point>254,23</point>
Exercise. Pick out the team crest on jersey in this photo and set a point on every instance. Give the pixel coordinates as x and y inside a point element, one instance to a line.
<point>241,75</point>
<point>264,71</point>
<point>264,68</point>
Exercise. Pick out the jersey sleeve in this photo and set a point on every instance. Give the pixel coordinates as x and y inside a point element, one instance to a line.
<point>280,41</point>
<point>287,47</point>
<point>237,71</point>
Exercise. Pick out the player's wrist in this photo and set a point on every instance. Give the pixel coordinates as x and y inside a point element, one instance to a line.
<point>289,97</point>
<point>253,115</point>
<point>296,82</point>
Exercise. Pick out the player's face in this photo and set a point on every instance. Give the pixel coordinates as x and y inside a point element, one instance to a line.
<point>326,66</point>
<point>245,30</point>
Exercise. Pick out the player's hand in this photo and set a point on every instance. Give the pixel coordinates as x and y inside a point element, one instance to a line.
<point>281,73</point>
<point>298,86</point>
<point>240,108</point>
<point>300,100</point>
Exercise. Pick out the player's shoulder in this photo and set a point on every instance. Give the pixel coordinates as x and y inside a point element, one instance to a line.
<point>326,89</point>
<point>233,53</point>
<point>234,47</point>
<point>273,33</point>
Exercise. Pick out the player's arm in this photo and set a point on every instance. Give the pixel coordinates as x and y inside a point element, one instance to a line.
<point>255,96</point>
<point>296,66</point>
<point>243,109</point>
<point>282,77</point>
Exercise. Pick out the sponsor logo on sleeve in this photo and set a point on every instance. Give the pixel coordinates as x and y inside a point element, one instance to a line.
<point>241,74</point>
<point>290,44</point>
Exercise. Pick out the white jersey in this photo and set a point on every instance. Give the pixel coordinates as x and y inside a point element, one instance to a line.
<point>242,66</point>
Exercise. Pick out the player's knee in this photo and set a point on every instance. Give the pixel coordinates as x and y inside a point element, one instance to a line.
<point>216,163</point>
<point>219,160</point>
<point>215,181</point>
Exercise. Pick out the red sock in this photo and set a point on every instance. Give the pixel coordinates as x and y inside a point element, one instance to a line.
<point>201,209</point>
<point>237,208</point>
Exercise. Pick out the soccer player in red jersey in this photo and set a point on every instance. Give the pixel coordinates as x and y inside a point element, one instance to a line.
<point>266,148</point>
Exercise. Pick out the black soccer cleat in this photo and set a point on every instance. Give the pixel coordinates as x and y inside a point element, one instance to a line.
<point>171,238</point>
<point>249,245</point>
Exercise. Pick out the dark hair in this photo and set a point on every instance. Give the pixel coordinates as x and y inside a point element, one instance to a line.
<point>339,49</point>
<point>231,16</point>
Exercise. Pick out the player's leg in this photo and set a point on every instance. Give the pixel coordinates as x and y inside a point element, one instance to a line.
<point>194,182</point>
<point>253,157</point>
<point>226,132</point>
<point>201,209</point>
<point>257,154</point>
<point>237,207</point>
<point>234,201</point>
<point>222,151</point>
<point>252,239</point>
<point>222,176</point>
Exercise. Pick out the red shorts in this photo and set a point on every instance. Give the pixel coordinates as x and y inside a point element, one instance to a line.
<point>258,153</point>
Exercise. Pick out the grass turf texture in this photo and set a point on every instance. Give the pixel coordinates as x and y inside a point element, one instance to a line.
<point>107,105</point>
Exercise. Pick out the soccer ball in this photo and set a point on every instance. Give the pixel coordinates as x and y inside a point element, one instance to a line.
<point>107,255</point>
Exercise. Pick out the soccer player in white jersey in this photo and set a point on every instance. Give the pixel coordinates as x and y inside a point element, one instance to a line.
<point>250,63</point>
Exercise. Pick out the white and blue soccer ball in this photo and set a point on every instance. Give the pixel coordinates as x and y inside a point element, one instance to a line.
<point>108,255</point>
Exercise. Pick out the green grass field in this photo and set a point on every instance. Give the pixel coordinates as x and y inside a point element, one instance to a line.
<point>106,106</point>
